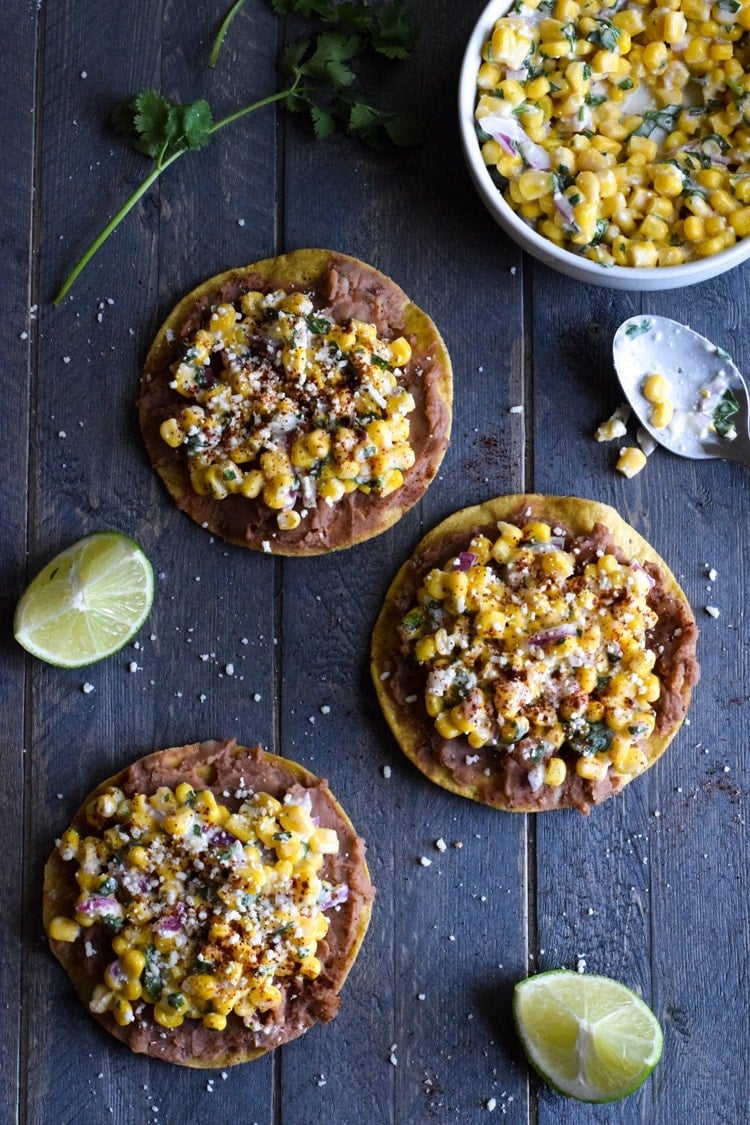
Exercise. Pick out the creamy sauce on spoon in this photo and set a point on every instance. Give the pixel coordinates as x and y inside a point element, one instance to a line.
<point>704,387</point>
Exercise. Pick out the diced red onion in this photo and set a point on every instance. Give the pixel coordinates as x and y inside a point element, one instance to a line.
<point>511,136</point>
<point>635,565</point>
<point>553,635</point>
<point>565,207</point>
<point>536,777</point>
<point>466,560</point>
<point>335,897</point>
<point>169,925</point>
<point>99,906</point>
<point>117,973</point>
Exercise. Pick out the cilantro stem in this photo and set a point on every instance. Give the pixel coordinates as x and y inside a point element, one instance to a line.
<point>160,165</point>
<point>221,33</point>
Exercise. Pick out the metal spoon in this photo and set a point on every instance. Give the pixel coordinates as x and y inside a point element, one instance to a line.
<point>711,403</point>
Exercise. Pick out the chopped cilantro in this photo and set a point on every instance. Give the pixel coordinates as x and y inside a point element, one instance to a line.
<point>152,981</point>
<point>596,739</point>
<point>605,35</point>
<point>638,329</point>
<point>657,119</point>
<point>318,324</point>
<point>724,414</point>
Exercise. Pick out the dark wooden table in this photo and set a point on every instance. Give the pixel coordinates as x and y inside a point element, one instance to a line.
<point>652,888</point>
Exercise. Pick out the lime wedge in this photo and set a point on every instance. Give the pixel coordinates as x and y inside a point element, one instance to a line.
<point>588,1037</point>
<point>87,602</point>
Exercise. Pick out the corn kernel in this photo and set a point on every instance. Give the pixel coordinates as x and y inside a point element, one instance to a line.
<point>64,929</point>
<point>592,769</point>
<point>656,388</point>
<point>661,414</point>
<point>555,773</point>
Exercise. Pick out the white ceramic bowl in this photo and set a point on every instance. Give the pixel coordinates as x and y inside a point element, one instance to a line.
<point>613,277</point>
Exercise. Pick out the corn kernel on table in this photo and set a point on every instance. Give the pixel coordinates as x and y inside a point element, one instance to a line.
<point>650,889</point>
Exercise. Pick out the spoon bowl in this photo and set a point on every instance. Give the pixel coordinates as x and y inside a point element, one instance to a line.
<point>711,415</point>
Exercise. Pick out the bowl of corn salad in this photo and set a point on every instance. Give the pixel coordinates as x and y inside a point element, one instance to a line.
<point>611,138</point>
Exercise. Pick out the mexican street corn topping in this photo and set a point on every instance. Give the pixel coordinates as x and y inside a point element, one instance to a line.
<point>209,911</point>
<point>621,131</point>
<point>288,407</point>
<point>530,649</point>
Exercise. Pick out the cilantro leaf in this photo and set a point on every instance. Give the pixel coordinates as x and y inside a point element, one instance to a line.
<point>328,61</point>
<point>724,414</point>
<point>396,31</point>
<point>324,122</point>
<point>196,123</point>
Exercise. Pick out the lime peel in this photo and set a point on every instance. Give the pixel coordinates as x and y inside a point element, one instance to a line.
<point>87,602</point>
<point>589,1037</point>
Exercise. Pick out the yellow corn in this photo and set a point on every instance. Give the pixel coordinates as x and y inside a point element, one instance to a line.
<point>592,769</point>
<point>661,414</point>
<point>64,929</point>
<point>555,772</point>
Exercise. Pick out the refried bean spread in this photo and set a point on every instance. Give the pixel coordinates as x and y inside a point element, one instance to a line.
<point>533,656</point>
<point>208,903</point>
<point>299,405</point>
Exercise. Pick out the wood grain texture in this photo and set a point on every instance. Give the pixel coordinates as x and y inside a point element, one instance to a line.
<point>651,888</point>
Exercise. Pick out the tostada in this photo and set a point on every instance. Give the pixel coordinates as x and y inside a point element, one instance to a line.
<point>208,903</point>
<point>298,405</point>
<point>534,653</point>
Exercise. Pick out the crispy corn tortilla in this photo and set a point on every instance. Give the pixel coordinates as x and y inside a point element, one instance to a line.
<point>222,767</point>
<point>397,676</point>
<point>345,287</point>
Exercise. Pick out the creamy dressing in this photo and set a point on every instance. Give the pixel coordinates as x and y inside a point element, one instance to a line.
<point>702,379</point>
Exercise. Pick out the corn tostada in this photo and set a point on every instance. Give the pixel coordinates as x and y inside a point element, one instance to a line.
<point>298,405</point>
<point>535,653</point>
<point>208,903</point>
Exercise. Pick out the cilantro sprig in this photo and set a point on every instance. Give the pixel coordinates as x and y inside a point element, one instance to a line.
<point>165,131</point>
<point>319,80</point>
<point>390,30</point>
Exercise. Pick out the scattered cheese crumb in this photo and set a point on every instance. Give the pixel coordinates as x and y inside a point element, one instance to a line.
<point>425,861</point>
<point>87,688</point>
<point>712,611</point>
<point>325,709</point>
<point>410,698</point>
<point>440,844</point>
<point>516,409</point>
<point>387,772</point>
<point>229,669</point>
<point>615,426</point>
<point>257,697</point>
<point>490,1105</point>
<point>712,575</point>
<point>266,545</point>
<point>581,965</point>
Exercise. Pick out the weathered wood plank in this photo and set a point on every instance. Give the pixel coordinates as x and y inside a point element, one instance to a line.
<point>422,1013</point>
<point>615,890</point>
<point>18,23</point>
<point>211,600</point>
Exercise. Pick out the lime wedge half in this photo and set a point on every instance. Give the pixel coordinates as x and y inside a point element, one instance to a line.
<point>588,1036</point>
<point>87,602</point>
